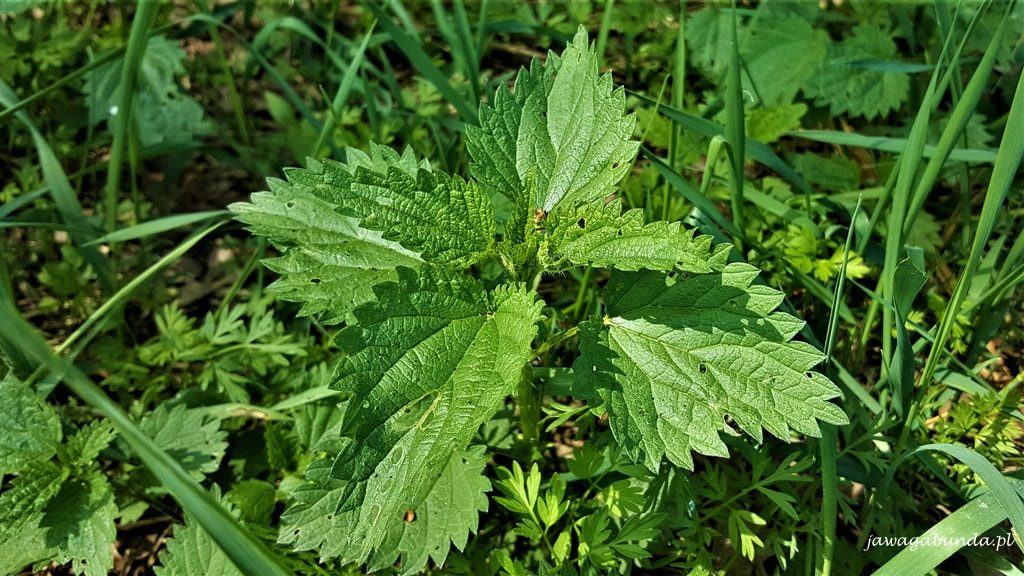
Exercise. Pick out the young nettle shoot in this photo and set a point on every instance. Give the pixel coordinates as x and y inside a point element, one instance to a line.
<point>687,344</point>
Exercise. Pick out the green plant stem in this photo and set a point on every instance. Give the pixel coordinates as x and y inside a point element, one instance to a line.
<point>529,396</point>
<point>581,293</point>
<point>829,443</point>
<point>602,33</point>
<point>144,17</point>
<point>555,341</point>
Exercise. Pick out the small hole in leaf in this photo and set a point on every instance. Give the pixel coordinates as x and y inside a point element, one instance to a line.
<point>702,368</point>
<point>808,375</point>
<point>615,164</point>
<point>582,222</point>
<point>289,205</point>
<point>620,232</point>
<point>314,280</point>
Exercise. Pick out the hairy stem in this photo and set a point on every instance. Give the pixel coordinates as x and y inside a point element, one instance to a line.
<point>529,412</point>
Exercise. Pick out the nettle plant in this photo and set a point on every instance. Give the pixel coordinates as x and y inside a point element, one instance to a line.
<point>687,346</point>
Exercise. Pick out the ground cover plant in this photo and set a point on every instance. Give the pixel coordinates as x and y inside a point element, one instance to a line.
<point>503,288</point>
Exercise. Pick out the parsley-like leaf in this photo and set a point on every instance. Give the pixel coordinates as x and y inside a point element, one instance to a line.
<point>671,361</point>
<point>601,235</point>
<point>562,138</point>
<point>191,437</point>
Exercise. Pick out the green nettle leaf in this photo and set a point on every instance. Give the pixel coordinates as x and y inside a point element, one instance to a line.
<point>193,551</point>
<point>22,506</point>
<point>560,139</point>
<point>835,173</point>
<point>446,516</point>
<point>426,365</point>
<point>511,139</point>
<point>672,359</point>
<point>708,36</point>
<point>80,523</point>
<point>85,445</point>
<point>769,123</point>
<point>29,428</point>
<point>444,218</point>
<point>329,263</point>
<point>781,52</point>
<point>430,354</point>
<point>601,235</point>
<point>848,84</point>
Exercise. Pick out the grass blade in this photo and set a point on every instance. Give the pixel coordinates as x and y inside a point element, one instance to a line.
<point>975,517</point>
<point>957,123</point>
<point>757,151</point>
<point>735,132</point>
<point>602,33</point>
<point>691,194</point>
<point>894,145</point>
<point>344,89</point>
<point>120,296</point>
<point>419,59</point>
<point>64,197</point>
<point>829,443</point>
<point>157,226</point>
<point>1008,160</point>
<point>138,38</point>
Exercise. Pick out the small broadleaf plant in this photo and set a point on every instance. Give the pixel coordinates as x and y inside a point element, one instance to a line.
<point>687,346</point>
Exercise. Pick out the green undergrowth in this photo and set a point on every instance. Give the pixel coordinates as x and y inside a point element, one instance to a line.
<point>511,288</point>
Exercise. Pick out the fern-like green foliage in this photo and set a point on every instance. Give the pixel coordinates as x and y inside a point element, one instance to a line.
<point>688,345</point>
